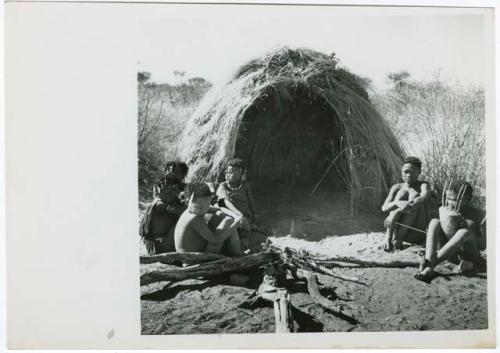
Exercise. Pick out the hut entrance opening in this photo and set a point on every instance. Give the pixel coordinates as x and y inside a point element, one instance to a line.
<point>290,144</point>
<point>288,147</point>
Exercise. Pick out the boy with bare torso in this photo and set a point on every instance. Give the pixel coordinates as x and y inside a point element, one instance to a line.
<point>407,207</point>
<point>194,234</point>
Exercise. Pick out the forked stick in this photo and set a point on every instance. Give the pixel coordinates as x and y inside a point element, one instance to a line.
<point>443,196</point>
<point>460,197</point>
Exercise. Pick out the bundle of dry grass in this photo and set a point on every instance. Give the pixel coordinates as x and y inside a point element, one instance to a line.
<point>295,115</point>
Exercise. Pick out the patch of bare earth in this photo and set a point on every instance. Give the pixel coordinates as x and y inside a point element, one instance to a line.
<point>393,300</point>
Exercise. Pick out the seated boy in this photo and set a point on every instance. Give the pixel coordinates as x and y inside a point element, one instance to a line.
<point>193,234</point>
<point>463,243</point>
<point>407,205</point>
<point>235,194</point>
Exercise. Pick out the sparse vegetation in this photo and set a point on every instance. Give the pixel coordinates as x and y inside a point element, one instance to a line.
<point>441,123</point>
<point>162,113</point>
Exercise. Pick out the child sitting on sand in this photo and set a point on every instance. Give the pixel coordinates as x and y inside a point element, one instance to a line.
<point>193,234</point>
<point>406,204</point>
<point>458,236</point>
<point>158,223</point>
<point>235,194</point>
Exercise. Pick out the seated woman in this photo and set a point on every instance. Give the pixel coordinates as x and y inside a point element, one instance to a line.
<point>158,223</point>
<point>444,242</point>
<point>407,204</point>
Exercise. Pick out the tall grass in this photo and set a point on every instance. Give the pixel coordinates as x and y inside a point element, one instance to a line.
<point>441,123</point>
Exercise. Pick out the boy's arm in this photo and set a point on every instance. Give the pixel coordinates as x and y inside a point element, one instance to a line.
<point>389,203</point>
<point>202,229</point>
<point>424,195</point>
<point>228,212</point>
<point>212,209</point>
<point>222,236</point>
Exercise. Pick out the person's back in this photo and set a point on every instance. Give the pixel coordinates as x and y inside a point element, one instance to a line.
<point>193,234</point>
<point>187,238</point>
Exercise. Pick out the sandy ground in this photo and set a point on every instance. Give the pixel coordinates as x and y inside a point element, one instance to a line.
<point>393,299</point>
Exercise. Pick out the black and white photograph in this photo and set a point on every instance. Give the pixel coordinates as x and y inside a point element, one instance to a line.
<point>266,174</point>
<point>312,173</point>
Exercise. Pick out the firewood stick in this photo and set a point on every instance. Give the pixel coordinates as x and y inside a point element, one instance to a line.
<point>208,269</point>
<point>283,311</point>
<point>325,271</point>
<point>369,263</point>
<point>313,289</point>
<point>289,254</point>
<point>189,257</point>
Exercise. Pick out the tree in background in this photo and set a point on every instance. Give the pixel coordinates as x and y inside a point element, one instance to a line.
<point>163,110</point>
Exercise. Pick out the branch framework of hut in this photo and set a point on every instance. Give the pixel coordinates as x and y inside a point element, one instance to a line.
<point>290,114</point>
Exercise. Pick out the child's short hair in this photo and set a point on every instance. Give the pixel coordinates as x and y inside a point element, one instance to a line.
<point>414,161</point>
<point>198,189</point>
<point>236,162</point>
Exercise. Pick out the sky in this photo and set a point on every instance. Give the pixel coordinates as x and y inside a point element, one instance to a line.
<point>370,42</point>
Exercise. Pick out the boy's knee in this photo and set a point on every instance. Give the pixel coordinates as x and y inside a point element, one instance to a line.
<point>434,224</point>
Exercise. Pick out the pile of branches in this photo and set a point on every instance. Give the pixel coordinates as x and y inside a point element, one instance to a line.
<point>278,263</point>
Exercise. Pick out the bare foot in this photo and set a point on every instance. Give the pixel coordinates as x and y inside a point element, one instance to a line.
<point>425,275</point>
<point>423,264</point>
<point>398,245</point>
<point>388,244</point>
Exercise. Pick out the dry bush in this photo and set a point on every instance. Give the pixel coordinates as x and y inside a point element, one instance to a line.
<point>441,123</point>
<point>163,111</point>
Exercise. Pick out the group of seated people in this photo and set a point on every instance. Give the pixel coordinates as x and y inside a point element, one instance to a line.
<point>197,217</point>
<point>411,219</point>
<point>189,218</point>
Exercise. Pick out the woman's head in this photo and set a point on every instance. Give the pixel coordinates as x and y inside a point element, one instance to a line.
<point>235,170</point>
<point>177,169</point>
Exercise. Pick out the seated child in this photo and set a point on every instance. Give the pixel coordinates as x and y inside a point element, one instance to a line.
<point>235,194</point>
<point>158,223</point>
<point>463,243</point>
<point>193,234</point>
<point>407,205</point>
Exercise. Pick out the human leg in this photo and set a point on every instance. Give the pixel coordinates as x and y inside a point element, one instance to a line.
<point>233,244</point>
<point>406,219</point>
<point>434,234</point>
<point>390,223</point>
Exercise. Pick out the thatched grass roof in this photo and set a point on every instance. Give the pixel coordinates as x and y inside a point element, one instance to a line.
<point>371,155</point>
